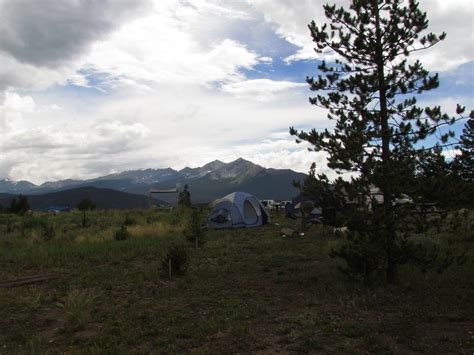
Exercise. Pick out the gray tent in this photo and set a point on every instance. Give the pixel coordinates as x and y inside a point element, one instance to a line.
<point>238,209</point>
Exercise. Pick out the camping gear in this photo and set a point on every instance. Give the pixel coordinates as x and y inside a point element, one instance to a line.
<point>238,209</point>
<point>289,233</point>
<point>303,206</point>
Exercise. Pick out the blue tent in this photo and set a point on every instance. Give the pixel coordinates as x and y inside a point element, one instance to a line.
<point>238,209</point>
<point>57,209</point>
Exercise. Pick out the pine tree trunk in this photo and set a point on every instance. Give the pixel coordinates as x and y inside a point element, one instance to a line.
<point>390,235</point>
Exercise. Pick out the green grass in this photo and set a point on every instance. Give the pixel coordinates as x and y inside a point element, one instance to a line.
<point>246,290</point>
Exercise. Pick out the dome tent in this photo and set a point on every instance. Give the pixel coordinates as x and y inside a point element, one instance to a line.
<point>238,209</point>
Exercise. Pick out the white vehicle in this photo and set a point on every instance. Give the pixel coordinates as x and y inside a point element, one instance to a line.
<point>269,204</point>
<point>403,200</point>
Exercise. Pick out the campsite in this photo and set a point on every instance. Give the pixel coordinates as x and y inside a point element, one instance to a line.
<point>244,289</point>
<point>236,177</point>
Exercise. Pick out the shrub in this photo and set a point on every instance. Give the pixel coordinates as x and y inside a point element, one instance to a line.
<point>48,231</point>
<point>129,221</point>
<point>150,219</point>
<point>364,256</point>
<point>177,216</point>
<point>10,225</point>
<point>33,222</point>
<point>122,233</point>
<point>175,261</point>
<point>77,307</point>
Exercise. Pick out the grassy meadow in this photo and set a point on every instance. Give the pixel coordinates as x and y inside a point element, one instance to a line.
<point>244,290</point>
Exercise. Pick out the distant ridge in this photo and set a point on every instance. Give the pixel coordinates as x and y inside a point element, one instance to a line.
<point>206,183</point>
<point>102,198</point>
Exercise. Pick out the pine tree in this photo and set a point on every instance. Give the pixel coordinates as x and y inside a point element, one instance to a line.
<point>184,197</point>
<point>464,162</point>
<point>20,206</point>
<point>463,166</point>
<point>85,205</point>
<point>434,181</point>
<point>371,94</point>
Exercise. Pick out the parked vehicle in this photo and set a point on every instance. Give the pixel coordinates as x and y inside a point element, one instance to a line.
<point>269,204</point>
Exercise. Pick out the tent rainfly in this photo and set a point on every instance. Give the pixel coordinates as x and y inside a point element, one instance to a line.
<point>238,209</point>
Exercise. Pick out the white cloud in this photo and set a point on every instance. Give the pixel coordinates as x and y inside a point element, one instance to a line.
<point>455,17</point>
<point>78,79</point>
<point>15,102</point>
<point>49,153</point>
<point>266,60</point>
<point>291,18</point>
<point>450,153</point>
<point>260,89</point>
<point>217,10</point>
<point>157,49</point>
<point>18,75</point>
<point>281,153</point>
<point>13,108</point>
<point>177,127</point>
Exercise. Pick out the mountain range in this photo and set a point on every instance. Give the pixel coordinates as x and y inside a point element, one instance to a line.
<point>205,183</point>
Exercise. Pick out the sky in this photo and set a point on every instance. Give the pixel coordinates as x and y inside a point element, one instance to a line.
<point>92,87</point>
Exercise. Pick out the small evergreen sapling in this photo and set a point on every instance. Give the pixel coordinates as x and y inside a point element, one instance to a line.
<point>195,232</point>
<point>184,197</point>
<point>122,233</point>
<point>85,205</point>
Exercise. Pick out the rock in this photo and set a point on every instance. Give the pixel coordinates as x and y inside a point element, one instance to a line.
<point>288,233</point>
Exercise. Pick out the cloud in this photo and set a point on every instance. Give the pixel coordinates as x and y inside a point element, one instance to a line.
<point>63,149</point>
<point>454,17</point>
<point>15,102</point>
<point>13,108</point>
<point>44,44</point>
<point>177,126</point>
<point>117,45</point>
<point>450,153</point>
<point>177,83</point>
<point>217,10</point>
<point>266,60</point>
<point>158,49</point>
<point>109,137</point>
<point>281,153</point>
<point>14,74</point>
<point>260,89</point>
<point>291,18</point>
<point>55,32</point>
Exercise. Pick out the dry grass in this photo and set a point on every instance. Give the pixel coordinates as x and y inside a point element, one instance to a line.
<point>158,229</point>
<point>245,291</point>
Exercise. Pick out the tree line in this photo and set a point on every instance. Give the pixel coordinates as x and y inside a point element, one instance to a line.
<point>18,205</point>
